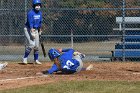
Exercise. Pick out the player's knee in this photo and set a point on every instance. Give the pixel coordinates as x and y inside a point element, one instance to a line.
<point>36,48</point>
<point>31,46</point>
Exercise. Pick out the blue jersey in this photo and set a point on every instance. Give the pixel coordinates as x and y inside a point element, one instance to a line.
<point>34,19</point>
<point>68,64</point>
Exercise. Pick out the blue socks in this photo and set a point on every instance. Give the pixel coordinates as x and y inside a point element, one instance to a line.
<point>36,52</point>
<point>27,52</point>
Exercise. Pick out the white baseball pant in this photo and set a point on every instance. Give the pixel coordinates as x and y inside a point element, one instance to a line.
<point>32,38</point>
<point>78,58</point>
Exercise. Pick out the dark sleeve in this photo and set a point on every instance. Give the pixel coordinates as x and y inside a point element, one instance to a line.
<point>67,49</point>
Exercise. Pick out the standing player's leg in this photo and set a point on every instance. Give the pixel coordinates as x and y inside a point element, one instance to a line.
<point>36,48</point>
<point>29,44</point>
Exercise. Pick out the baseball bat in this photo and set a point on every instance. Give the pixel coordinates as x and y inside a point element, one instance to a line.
<point>42,46</point>
<point>43,49</point>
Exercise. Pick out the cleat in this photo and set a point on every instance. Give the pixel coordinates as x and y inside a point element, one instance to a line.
<point>90,67</point>
<point>3,65</point>
<point>37,62</point>
<point>24,61</point>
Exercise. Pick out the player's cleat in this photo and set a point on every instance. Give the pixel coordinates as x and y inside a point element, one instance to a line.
<point>90,67</point>
<point>37,62</point>
<point>25,61</point>
<point>3,65</point>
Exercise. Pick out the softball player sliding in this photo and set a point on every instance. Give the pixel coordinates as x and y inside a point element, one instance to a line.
<point>65,60</point>
<point>33,30</point>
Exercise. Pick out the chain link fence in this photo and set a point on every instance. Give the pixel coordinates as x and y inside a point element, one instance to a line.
<point>89,26</point>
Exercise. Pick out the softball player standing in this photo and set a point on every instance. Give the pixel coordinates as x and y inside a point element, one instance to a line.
<point>32,31</point>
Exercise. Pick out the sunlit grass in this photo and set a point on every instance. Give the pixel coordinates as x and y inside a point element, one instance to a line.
<point>81,87</point>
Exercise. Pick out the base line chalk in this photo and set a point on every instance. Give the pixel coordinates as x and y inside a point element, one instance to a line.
<point>22,78</point>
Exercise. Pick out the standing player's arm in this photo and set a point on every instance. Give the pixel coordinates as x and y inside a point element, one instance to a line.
<point>30,19</point>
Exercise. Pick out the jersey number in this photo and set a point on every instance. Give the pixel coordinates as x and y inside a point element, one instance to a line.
<point>68,64</point>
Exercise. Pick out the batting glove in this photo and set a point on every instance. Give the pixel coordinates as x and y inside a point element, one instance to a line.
<point>33,33</point>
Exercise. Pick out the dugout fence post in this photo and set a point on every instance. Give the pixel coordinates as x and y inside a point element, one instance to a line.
<point>25,8</point>
<point>25,18</point>
<point>71,38</point>
<point>123,29</point>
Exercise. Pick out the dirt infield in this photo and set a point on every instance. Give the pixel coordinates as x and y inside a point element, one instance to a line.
<point>17,75</point>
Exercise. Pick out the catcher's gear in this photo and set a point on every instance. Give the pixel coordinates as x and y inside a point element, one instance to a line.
<point>53,53</point>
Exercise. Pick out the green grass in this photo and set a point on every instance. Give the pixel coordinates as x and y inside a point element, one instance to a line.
<point>81,87</point>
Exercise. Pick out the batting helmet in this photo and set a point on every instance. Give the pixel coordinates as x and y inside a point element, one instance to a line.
<point>36,2</point>
<point>53,53</point>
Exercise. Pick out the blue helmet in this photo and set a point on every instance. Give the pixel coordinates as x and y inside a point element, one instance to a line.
<point>36,2</point>
<point>53,53</point>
